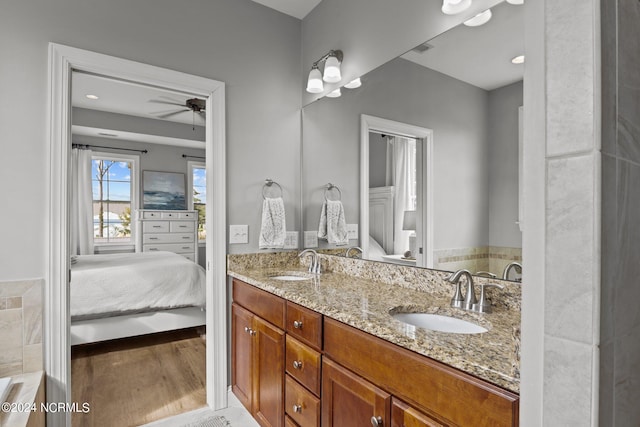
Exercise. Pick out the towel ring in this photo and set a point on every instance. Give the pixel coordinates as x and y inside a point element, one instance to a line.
<point>268,183</point>
<point>330,187</point>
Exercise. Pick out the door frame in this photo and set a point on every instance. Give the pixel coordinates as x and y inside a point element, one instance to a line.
<point>56,333</point>
<point>424,181</point>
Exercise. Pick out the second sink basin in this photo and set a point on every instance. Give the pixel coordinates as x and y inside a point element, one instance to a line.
<point>436,322</point>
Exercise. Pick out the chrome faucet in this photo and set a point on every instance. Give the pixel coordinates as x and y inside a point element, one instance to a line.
<point>469,299</point>
<point>314,266</point>
<point>509,267</point>
<point>352,248</point>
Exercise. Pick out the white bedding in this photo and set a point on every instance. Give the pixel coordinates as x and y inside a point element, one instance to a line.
<point>121,283</point>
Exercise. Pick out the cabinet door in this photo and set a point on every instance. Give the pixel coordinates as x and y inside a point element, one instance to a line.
<point>403,415</point>
<point>241,354</point>
<point>349,400</point>
<point>268,389</point>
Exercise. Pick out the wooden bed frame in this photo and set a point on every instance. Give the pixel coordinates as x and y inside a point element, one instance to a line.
<point>130,325</point>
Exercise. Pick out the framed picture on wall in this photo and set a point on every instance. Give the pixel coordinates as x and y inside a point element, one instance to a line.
<point>163,190</point>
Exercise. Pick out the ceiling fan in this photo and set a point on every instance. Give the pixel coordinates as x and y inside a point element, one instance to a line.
<point>195,105</point>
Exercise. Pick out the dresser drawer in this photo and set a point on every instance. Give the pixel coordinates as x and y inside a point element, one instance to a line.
<point>170,247</point>
<point>304,324</point>
<point>302,406</point>
<point>151,215</point>
<point>170,215</point>
<point>303,363</point>
<point>168,238</point>
<point>155,226</point>
<point>187,215</point>
<point>182,227</point>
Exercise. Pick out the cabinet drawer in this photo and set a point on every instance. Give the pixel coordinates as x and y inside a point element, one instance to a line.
<point>168,238</point>
<point>403,415</point>
<point>182,227</point>
<point>302,406</point>
<point>304,324</point>
<point>155,226</point>
<point>170,247</point>
<point>185,215</point>
<point>288,422</point>
<point>303,363</point>
<point>151,215</point>
<point>262,303</point>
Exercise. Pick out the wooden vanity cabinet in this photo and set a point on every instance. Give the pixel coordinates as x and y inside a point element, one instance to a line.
<point>258,353</point>
<point>403,415</point>
<point>350,400</point>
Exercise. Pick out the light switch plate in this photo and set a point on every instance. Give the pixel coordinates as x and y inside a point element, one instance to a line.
<point>291,241</point>
<point>310,239</point>
<point>238,234</point>
<point>352,231</point>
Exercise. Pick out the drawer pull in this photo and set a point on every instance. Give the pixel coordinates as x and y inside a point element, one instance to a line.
<point>297,324</point>
<point>376,421</point>
<point>186,247</point>
<point>183,226</point>
<point>297,409</point>
<point>186,237</point>
<point>156,226</point>
<point>153,249</point>
<point>153,238</point>
<point>297,365</point>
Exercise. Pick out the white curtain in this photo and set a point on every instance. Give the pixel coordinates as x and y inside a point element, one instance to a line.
<point>81,216</point>
<point>402,171</point>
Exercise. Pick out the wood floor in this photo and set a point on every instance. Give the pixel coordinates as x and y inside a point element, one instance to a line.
<point>137,380</point>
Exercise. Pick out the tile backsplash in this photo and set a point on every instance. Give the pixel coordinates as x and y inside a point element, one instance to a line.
<point>21,327</point>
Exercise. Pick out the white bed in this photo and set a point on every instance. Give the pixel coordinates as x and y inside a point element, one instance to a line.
<point>119,295</point>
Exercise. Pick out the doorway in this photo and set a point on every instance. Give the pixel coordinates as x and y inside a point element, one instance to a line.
<point>62,61</point>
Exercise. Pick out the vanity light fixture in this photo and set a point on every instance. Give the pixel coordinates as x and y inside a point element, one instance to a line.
<point>93,97</point>
<point>353,84</point>
<point>453,7</point>
<point>479,19</point>
<point>334,93</point>
<point>518,59</point>
<point>332,74</point>
<point>515,2</point>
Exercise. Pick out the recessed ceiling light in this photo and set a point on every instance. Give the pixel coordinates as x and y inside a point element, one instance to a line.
<point>518,60</point>
<point>92,97</point>
<point>479,19</point>
<point>515,1</point>
<point>355,83</point>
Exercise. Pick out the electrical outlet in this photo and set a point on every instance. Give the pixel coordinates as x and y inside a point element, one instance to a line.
<point>310,239</point>
<point>291,241</point>
<point>238,234</point>
<point>352,231</point>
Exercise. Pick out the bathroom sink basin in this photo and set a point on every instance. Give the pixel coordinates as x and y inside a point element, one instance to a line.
<point>436,322</point>
<point>291,277</point>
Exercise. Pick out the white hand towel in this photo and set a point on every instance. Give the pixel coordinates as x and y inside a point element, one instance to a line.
<point>333,226</point>
<point>273,230</point>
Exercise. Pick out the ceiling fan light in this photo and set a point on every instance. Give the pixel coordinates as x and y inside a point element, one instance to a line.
<point>453,7</point>
<point>518,59</point>
<point>353,84</point>
<point>314,83</point>
<point>332,70</point>
<point>335,93</point>
<point>517,2</point>
<point>479,19</point>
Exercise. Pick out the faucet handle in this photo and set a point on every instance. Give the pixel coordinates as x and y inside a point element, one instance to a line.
<point>484,306</point>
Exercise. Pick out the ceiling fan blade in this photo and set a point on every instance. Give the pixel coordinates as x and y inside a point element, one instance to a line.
<point>164,116</point>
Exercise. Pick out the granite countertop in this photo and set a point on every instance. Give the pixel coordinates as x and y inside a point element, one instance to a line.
<point>366,305</point>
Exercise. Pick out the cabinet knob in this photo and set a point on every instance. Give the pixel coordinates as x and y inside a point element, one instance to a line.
<point>297,324</point>
<point>252,332</point>
<point>376,421</point>
<point>247,329</point>
<point>297,365</point>
<point>297,409</point>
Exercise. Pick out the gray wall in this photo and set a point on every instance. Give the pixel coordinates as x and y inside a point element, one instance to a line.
<point>620,325</point>
<point>408,93</point>
<point>503,166</point>
<point>235,41</point>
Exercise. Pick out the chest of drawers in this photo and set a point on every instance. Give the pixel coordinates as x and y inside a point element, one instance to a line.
<point>171,231</point>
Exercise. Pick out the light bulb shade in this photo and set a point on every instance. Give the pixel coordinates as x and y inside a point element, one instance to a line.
<point>409,220</point>
<point>332,70</point>
<point>515,1</point>
<point>353,84</point>
<point>453,7</point>
<point>479,19</point>
<point>314,83</point>
<point>334,93</point>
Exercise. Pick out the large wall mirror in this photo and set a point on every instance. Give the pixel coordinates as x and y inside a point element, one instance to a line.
<point>426,152</point>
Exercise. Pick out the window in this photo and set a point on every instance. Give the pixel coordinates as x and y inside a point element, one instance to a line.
<point>198,195</point>
<point>114,197</point>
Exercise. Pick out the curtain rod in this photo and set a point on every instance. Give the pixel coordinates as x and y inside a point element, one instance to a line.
<point>110,148</point>
<point>184,156</point>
